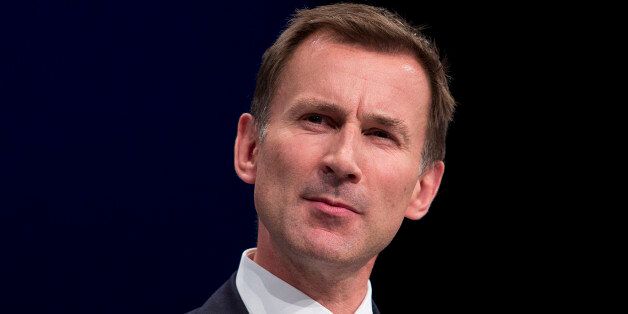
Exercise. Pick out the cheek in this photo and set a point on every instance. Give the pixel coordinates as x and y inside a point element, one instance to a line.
<point>394,182</point>
<point>285,161</point>
<point>394,195</point>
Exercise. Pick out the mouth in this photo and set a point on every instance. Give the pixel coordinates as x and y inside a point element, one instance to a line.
<point>332,207</point>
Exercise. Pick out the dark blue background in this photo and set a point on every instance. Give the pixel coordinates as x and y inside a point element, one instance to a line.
<point>117,124</point>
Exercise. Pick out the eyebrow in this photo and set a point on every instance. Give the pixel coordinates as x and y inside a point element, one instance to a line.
<point>396,125</point>
<point>316,105</point>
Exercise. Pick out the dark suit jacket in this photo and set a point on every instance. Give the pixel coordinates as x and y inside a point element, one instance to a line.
<point>227,300</point>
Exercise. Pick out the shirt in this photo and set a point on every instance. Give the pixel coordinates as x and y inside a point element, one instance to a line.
<point>262,292</point>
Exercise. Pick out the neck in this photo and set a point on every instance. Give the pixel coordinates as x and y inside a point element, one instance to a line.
<point>339,288</point>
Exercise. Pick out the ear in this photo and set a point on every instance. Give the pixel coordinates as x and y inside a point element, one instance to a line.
<point>245,149</point>
<point>425,191</point>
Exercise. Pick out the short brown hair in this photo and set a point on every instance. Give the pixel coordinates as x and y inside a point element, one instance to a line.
<point>371,27</point>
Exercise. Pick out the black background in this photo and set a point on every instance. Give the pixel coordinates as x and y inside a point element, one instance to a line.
<point>117,121</point>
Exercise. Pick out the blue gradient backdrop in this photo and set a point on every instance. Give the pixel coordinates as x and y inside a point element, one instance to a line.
<point>117,122</point>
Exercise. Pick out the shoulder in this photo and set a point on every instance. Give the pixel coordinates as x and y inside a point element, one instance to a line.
<point>375,309</point>
<point>225,300</point>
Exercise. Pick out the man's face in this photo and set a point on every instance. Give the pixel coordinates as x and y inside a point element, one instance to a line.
<point>339,163</point>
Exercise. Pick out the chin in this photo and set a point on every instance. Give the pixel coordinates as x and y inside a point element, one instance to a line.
<point>324,246</point>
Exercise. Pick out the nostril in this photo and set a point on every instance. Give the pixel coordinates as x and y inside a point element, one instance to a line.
<point>351,176</point>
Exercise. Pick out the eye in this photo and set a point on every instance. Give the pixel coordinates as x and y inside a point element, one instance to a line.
<point>380,133</point>
<point>382,136</point>
<point>319,120</point>
<point>314,118</point>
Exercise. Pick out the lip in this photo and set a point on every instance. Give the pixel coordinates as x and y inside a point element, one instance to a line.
<point>332,207</point>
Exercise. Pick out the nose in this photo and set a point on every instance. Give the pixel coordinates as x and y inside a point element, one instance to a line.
<point>339,163</point>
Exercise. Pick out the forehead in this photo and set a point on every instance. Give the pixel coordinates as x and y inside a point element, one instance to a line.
<point>354,76</point>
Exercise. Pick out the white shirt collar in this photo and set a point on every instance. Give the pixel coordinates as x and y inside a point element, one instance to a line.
<point>263,292</point>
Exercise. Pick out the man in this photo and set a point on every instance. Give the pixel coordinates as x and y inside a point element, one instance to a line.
<point>345,138</point>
